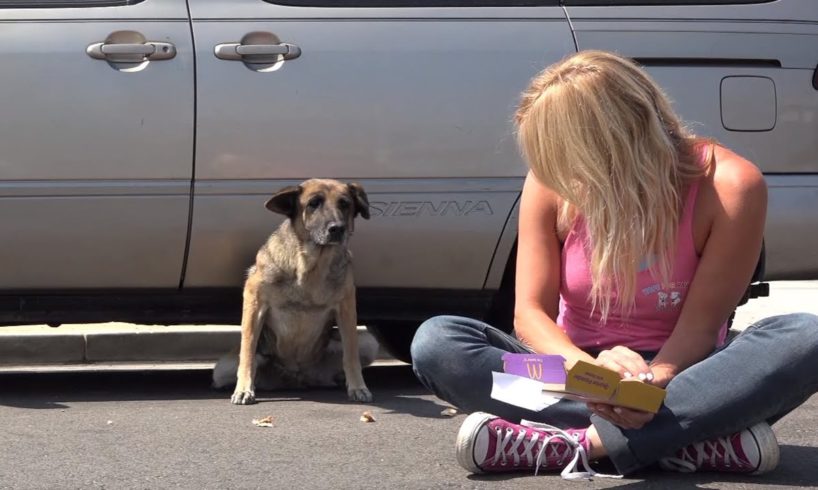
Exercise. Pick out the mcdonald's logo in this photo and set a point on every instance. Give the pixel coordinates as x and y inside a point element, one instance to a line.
<point>534,368</point>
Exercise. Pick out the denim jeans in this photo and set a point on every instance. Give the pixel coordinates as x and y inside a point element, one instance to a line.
<point>761,375</point>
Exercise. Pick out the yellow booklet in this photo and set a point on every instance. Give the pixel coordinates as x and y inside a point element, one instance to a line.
<point>592,383</point>
<point>585,382</point>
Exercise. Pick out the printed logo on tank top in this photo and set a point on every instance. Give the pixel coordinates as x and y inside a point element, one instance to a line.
<point>667,299</point>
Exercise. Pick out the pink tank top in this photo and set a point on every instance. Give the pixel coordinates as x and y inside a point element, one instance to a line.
<point>656,309</point>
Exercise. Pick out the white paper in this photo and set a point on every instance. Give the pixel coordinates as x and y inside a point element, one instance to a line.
<point>520,391</point>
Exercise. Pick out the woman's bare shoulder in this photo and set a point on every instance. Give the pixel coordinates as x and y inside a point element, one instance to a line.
<point>734,177</point>
<point>733,187</point>
<point>539,201</point>
<point>541,206</point>
<point>540,193</point>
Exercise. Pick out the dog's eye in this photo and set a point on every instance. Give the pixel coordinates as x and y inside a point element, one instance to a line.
<point>343,204</point>
<point>315,202</point>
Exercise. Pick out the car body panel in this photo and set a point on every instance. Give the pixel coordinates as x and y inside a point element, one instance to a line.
<point>795,11</point>
<point>460,227</point>
<point>143,11</point>
<point>420,116</point>
<point>259,10</point>
<point>97,159</point>
<point>792,227</point>
<point>698,54</point>
<point>414,103</point>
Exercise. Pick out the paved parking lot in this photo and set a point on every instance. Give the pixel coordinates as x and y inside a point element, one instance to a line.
<point>785,297</point>
<point>168,429</point>
<point>160,429</point>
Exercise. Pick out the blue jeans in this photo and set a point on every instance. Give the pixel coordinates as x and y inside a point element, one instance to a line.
<point>761,375</point>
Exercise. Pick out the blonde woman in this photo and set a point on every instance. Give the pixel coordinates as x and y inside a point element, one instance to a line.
<point>636,241</point>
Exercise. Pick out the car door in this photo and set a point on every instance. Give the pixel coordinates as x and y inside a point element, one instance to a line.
<point>744,73</point>
<point>96,140</point>
<point>413,99</point>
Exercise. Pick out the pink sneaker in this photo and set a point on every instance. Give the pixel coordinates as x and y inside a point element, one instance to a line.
<point>486,443</point>
<point>753,451</point>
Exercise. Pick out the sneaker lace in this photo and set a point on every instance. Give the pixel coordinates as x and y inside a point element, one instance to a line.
<point>686,462</point>
<point>545,452</point>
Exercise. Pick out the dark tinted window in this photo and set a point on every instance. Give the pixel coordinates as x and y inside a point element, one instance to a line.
<point>659,2</point>
<point>45,4</point>
<point>413,3</point>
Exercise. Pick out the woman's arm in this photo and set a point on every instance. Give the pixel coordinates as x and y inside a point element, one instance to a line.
<point>538,275</point>
<point>735,202</point>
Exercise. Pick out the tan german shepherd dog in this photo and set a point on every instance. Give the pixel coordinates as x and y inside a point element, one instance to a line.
<point>300,285</point>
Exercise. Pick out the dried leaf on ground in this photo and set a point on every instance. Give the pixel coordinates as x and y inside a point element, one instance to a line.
<point>367,417</point>
<point>449,412</point>
<point>264,422</point>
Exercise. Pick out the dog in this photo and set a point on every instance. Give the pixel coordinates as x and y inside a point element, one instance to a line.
<point>302,284</point>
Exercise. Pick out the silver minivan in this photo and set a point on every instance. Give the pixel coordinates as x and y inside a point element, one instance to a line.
<point>139,139</point>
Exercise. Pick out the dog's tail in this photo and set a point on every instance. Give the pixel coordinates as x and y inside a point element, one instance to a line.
<point>368,347</point>
<point>224,373</point>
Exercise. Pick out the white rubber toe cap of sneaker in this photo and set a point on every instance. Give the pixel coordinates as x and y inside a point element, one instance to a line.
<point>750,448</point>
<point>765,446</point>
<point>481,445</point>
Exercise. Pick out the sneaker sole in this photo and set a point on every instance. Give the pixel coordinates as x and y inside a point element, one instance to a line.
<point>465,436</point>
<point>768,448</point>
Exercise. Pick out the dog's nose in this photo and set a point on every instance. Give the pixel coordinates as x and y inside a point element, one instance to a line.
<point>336,230</point>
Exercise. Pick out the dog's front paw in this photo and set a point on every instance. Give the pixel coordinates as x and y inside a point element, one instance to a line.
<point>359,394</point>
<point>243,398</point>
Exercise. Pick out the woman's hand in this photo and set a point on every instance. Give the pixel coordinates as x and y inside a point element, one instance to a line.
<point>629,365</point>
<point>621,416</point>
<point>626,362</point>
<point>663,373</point>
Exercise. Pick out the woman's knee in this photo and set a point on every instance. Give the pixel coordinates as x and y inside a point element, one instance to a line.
<point>800,325</point>
<point>441,338</point>
<point>795,333</point>
<point>806,325</point>
<point>426,345</point>
<point>809,319</point>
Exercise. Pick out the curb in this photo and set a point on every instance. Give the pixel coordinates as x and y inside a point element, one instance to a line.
<point>108,343</point>
<point>119,346</point>
<point>171,346</point>
<point>40,349</point>
<point>123,346</point>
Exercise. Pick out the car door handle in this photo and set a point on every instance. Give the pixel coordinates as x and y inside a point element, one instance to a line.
<point>256,53</point>
<point>131,53</point>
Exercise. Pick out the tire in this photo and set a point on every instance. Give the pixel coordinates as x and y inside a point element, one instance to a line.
<point>395,337</point>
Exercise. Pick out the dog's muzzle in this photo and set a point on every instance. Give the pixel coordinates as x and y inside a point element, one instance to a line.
<point>336,233</point>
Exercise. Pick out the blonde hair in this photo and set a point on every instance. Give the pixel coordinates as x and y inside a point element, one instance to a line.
<point>601,134</point>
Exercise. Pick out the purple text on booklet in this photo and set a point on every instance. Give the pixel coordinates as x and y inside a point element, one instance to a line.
<point>544,368</point>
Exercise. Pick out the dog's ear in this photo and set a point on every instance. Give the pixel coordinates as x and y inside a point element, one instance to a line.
<point>361,201</point>
<point>285,201</point>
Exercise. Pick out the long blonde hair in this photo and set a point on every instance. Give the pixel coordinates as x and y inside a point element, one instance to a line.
<point>601,134</point>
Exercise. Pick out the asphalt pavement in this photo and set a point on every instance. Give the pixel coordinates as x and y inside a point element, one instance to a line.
<point>161,429</point>
<point>155,428</point>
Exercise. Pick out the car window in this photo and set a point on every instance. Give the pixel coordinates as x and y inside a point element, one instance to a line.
<point>413,3</point>
<point>657,2</point>
<point>35,4</point>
